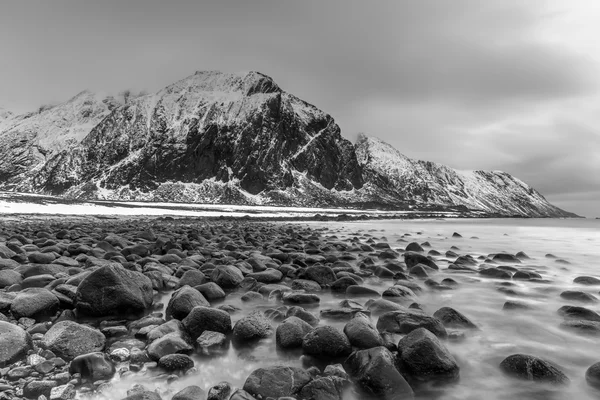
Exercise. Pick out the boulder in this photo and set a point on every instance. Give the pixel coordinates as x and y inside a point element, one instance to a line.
<point>276,381</point>
<point>406,321</point>
<point>592,375</point>
<point>171,343</point>
<point>15,342</point>
<point>325,388</point>
<point>326,341</point>
<point>93,366</point>
<point>183,300</point>
<point>190,393</point>
<point>68,339</point>
<point>252,327</point>
<point>291,331</point>
<point>202,319</point>
<point>531,368</point>
<point>227,276</point>
<point>211,291</point>
<point>425,358</point>
<point>8,277</point>
<point>374,372</point>
<point>112,289</point>
<point>453,319</point>
<point>411,259</point>
<point>321,274</point>
<point>176,362</point>
<point>361,333</point>
<point>34,303</point>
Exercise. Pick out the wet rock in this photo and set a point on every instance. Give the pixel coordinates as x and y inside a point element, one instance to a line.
<point>411,259</point>
<point>182,302</point>
<point>276,381</point>
<point>143,395</point>
<point>300,298</point>
<point>211,291</point>
<point>380,306</point>
<point>453,319</point>
<point>374,372</point>
<point>515,305</point>
<point>93,366</point>
<point>531,368</point>
<point>36,389</point>
<point>406,321</point>
<point>361,291</point>
<point>68,339</point>
<point>171,343</point>
<point>361,333</point>
<point>587,280</point>
<point>425,358</point>
<point>304,315</point>
<point>321,274</point>
<point>63,392</point>
<point>306,285</point>
<point>398,292</point>
<point>506,258</point>
<point>175,362</point>
<point>15,342</point>
<point>324,388</point>
<point>420,270</point>
<point>495,273</point>
<point>526,275</point>
<point>220,391</point>
<point>577,295</point>
<point>340,285</point>
<point>8,277</point>
<point>227,276</point>
<point>415,247</point>
<point>192,278</point>
<point>291,331</point>
<point>270,275</point>
<point>240,394</point>
<point>252,297</point>
<point>582,313</point>
<point>210,340</point>
<point>592,375</point>
<point>252,327</point>
<point>112,289</point>
<point>582,327</point>
<point>190,393</point>
<point>326,341</point>
<point>202,319</point>
<point>34,303</point>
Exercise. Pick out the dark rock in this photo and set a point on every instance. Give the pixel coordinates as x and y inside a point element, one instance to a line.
<point>592,375</point>
<point>240,394</point>
<point>93,366</point>
<point>210,340</point>
<point>176,362</point>
<point>425,358</point>
<point>574,312</point>
<point>398,292</point>
<point>227,276</point>
<point>495,273</point>
<point>143,395</point>
<point>291,331</point>
<point>15,342</point>
<point>583,327</point>
<point>526,275</point>
<point>577,295</point>
<point>325,388</point>
<point>36,389</point>
<point>340,285</point>
<point>374,372</point>
<point>34,303</point>
<point>306,285</point>
<point>192,278</point>
<point>252,327</point>
<point>415,247</point>
<point>587,280</point>
<point>361,291</point>
<point>506,258</point>
<point>406,321</point>
<point>453,318</point>
<point>531,368</point>
<point>211,291</point>
<point>411,259</point>
<point>171,343</point>
<point>515,305</point>
<point>68,339</point>
<point>276,381</point>
<point>202,319</point>
<point>326,341</point>
<point>112,289</point>
<point>270,275</point>
<point>221,391</point>
<point>361,333</point>
<point>321,274</point>
<point>8,277</point>
<point>300,298</point>
<point>190,393</point>
<point>304,315</point>
<point>183,300</point>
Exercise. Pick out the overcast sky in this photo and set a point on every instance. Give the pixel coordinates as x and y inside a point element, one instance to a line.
<point>495,84</point>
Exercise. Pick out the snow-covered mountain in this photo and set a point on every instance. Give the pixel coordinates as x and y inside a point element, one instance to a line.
<point>230,138</point>
<point>394,175</point>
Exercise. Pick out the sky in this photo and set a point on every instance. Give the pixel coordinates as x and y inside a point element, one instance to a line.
<point>496,84</point>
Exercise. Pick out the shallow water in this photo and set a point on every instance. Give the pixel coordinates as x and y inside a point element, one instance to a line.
<point>501,333</point>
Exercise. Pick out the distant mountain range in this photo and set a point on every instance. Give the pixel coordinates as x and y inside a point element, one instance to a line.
<point>233,138</point>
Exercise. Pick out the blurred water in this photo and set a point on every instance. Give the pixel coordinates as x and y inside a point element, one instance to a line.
<point>502,333</point>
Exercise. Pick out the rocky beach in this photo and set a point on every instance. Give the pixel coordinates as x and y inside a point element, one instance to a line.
<point>154,308</point>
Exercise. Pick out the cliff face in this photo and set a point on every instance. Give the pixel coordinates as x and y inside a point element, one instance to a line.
<point>231,138</point>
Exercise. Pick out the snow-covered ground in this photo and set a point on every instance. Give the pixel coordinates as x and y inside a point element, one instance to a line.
<point>17,203</point>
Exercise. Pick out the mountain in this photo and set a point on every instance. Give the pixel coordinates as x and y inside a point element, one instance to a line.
<point>395,176</point>
<point>231,138</point>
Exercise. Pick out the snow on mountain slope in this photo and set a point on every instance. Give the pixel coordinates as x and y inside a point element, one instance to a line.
<point>427,183</point>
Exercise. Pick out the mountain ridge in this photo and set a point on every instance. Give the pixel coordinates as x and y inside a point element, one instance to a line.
<point>232,138</point>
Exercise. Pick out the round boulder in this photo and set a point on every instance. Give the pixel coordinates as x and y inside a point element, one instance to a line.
<point>183,301</point>
<point>112,289</point>
<point>361,333</point>
<point>15,342</point>
<point>68,339</point>
<point>531,368</point>
<point>326,341</point>
<point>202,319</point>
<point>291,331</point>
<point>276,381</point>
<point>252,327</point>
<point>34,303</point>
<point>227,276</point>
<point>93,366</point>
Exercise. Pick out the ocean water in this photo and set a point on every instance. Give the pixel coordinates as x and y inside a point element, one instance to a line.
<point>575,243</point>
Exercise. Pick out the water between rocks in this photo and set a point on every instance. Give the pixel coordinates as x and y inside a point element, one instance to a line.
<point>536,331</point>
